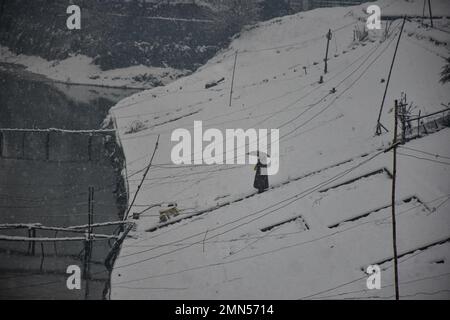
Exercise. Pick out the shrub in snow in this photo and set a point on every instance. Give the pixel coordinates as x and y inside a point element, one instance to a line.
<point>445,74</point>
<point>135,126</point>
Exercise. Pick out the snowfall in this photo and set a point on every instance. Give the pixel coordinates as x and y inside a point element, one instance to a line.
<point>327,213</point>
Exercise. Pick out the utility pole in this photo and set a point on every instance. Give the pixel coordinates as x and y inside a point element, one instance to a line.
<point>379,125</point>
<point>423,11</point>
<point>232,78</point>
<point>394,176</point>
<point>403,116</point>
<point>431,15</point>
<point>326,52</point>
<point>143,179</point>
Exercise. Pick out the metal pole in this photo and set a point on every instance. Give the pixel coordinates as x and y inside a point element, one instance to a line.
<point>394,176</point>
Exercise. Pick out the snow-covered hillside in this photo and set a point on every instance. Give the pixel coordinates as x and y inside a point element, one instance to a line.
<point>326,215</point>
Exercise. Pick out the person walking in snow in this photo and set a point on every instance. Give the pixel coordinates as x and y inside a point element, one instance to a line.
<point>261,179</point>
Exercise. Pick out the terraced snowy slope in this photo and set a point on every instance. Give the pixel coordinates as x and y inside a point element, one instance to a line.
<point>326,216</point>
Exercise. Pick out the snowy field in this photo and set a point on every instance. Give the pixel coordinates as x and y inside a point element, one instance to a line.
<point>326,215</point>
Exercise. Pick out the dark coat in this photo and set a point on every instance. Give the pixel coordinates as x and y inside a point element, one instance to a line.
<point>261,180</point>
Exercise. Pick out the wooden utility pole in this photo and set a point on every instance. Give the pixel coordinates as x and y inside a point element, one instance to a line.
<point>394,176</point>
<point>232,78</point>
<point>326,52</point>
<point>379,125</point>
<point>431,15</point>
<point>143,179</point>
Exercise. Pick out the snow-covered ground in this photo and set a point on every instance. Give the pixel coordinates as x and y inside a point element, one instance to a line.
<point>80,69</point>
<point>334,183</point>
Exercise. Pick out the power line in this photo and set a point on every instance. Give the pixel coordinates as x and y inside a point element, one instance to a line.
<point>298,232</point>
<point>241,52</point>
<point>420,158</point>
<point>270,251</point>
<point>245,258</point>
<point>313,89</point>
<point>404,282</point>
<point>379,125</point>
<point>426,293</point>
<point>282,96</point>
<point>339,95</point>
<point>227,114</point>
<point>291,200</point>
<point>425,152</point>
<point>310,106</point>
